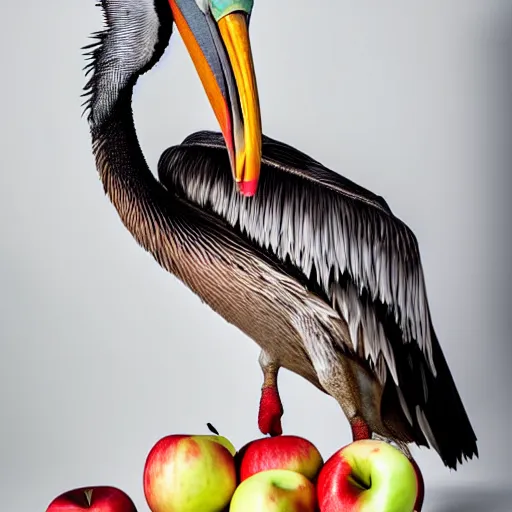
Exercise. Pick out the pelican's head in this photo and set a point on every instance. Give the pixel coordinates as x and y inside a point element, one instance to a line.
<point>216,35</point>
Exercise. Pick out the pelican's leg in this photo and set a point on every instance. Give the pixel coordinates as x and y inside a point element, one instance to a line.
<point>271,409</point>
<point>360,429</point>
<point>355,390</point>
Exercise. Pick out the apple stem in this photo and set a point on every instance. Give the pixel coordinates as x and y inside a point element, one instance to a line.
<point>212,429</point>
<point>88,496</point>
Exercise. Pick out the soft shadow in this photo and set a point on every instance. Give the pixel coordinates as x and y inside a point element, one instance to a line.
<point>470,499</point>
<point>499,81</point>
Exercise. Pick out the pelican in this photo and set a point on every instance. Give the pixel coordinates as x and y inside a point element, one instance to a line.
<point>314,268</point>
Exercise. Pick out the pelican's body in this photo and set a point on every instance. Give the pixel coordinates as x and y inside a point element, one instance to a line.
<point>315,269</point>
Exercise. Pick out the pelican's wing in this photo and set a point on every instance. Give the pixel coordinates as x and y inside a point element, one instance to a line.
<point>351,250</point>
<point>343,238</point>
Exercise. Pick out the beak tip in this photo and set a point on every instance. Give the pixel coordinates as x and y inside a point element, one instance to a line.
<point>248,188</point>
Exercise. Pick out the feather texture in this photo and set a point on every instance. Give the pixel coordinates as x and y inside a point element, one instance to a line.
<point>325,225</point>
<point>342,243</point>
<point>135,36</point>
<point>310,248</point>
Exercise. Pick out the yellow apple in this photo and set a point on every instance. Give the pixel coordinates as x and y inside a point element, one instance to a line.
<point>189,474</point>
<point>274,490</point>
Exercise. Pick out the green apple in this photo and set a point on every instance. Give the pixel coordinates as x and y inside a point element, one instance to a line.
<point>220,439</point>
<point>274,490</point>
<point>367,476</point>
<point>186,473</point>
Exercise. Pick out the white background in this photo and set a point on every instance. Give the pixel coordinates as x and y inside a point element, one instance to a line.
<point>102,352</point>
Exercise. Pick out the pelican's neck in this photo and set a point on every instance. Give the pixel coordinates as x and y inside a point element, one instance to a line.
<point>118,152</point>
<point>141,201</point>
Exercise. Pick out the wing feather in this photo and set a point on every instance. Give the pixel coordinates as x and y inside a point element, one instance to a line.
<point>322,223</point>
<point>343,243</point>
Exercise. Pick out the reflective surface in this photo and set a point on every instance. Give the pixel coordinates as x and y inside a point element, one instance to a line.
<point>472,499</point>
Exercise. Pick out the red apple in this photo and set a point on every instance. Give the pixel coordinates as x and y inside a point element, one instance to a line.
<point>189,474</point>
<point>281,452</point>
<point>367,476</point>
<point>92,499</point>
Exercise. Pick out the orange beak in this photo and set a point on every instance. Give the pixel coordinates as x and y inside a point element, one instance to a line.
<point>221,53</point>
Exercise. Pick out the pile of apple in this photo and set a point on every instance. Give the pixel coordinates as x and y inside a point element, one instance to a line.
<point>205,473</point>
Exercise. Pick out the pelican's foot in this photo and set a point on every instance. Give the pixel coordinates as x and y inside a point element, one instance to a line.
<point>399,445</point>
<point>271,411</point>
<point>360,429</point>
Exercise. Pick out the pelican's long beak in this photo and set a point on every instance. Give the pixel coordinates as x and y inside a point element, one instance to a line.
<point>221,53</point>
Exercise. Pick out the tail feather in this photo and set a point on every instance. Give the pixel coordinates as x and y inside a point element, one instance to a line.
<point>439,419</point>
<point>453,436</point>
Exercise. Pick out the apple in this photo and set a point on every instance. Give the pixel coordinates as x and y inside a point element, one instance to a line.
<point>281,452</point>
<point>421,487</point>
<point>274,490</point>
<point>93,499</point>
<point>186,473</point>
<point>219,439</point>
<point>367,476</point>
